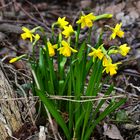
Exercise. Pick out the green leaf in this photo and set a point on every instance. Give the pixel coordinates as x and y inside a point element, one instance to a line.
<point>79,121</point>
<point>62,67</point>
<point>81,52</point>
<point>54,112</point>
<point>112,107</point>
<point>41,61</point>
<point>108,92</point>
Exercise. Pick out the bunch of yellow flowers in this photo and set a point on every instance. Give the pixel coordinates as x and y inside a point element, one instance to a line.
<point>62,68</point>
<point>66,50</point>
<point>104,55</point>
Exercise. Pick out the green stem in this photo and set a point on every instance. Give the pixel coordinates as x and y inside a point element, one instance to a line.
<point>77,36</point>
<point>103,16</point>
<point>33,51</point>
<point>89,35</point>
<point>53,32</point>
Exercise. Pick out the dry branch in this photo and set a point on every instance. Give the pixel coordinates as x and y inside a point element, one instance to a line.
<point>10,119</point>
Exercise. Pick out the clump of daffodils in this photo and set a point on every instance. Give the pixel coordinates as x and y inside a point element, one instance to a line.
<point>64,47</point>
<point>29,34</point>
<point>62,67</point>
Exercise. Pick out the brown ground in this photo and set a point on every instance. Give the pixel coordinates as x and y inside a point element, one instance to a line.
<point>14,15</point>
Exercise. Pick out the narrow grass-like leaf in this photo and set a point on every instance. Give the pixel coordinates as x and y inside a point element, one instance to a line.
<point>70,106</point>
<point>81,52</point>
<point>108,92</point>
<point>107,111</point>
<point>54,112</point>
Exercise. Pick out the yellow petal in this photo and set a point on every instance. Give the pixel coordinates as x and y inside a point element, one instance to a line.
<point>79,21</point>
<point>26,35</point>
<point>51,49</point>
<point>68,30</point>
<point>51,52</point>
<point>112,71</point>
<point>67,52</point>
<point>100,55</point>
<point>124,49</point>
<point>23,36</point>
<point>120,34</point>
<point>113,35</point>
<point>55,46</point>
<point>64,43</point>
<point>73,50</point>
<point>91,16</point>
<point>91,54</point>
<point>60,50</point>
<point>61,22</point>
<point>83,25</point>
<point>37,37</point>
<point>117,31</point>
<point>118,26</point>
<point>86,20</point>
<point>25,29</point>
<point>14,60</point>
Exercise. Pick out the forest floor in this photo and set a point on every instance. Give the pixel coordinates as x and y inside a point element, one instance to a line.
<point>14,15</point>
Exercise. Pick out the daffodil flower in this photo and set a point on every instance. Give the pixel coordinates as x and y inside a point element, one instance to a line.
<point>17,58</point>
<point>51,48</point>
<point>14,60</point>
<point>61,22</point>
<point>68,30</point>
<point>96,53</point>
<point>29,34</point>
<point>86,20</point>
<point>117,31</point>
<point>111,68</point>
<point>124,49</point>
<point>66,49</point>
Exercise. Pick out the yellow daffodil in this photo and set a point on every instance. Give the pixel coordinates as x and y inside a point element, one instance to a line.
<point>61,22</point>
<point>14,60</point>
<point>111,68</point>
<point>86,20</point>
<point>96,53</point>
<point>117,31</point>
<point>68,30</point>
<point>66,49</point>
<point>17,58</point>
<point>124,49</point>
<point>51,48</point>
<point>29,34</point>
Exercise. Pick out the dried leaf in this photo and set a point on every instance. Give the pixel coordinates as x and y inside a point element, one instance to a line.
<point>112,132</point>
